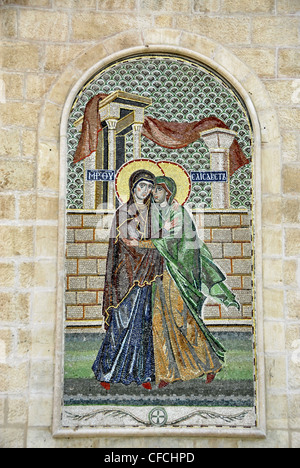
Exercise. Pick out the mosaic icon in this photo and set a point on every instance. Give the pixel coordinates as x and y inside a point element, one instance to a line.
<point>159,256</point>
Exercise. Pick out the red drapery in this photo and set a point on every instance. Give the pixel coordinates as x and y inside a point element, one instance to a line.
<point>171,135</point>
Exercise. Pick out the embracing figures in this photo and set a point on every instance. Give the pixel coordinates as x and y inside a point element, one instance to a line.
<point>158,276</point>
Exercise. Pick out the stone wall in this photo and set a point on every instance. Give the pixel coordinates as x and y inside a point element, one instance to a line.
<point>227,235</point>
<point>46,48</point>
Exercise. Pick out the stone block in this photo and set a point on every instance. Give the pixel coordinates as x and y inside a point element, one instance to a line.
<point>292,242</point>
<point>90,26</point>
<point>211,220</point>
<point>198,43</point>
<point>7,274</point>
<point>46,241</point>
<point>82,4</point>
<point>93,221</point>
<point>13,84</point>
<point>49,127</point>
<point>70,298</point>
<point>254,6</point>
<point>90,57</point>
<point>20,56</point>
<point>86,298</point>
<point>87,267</point>
<point>38,85</point>
<point>244,296</point>
<point>17,175</point>
<point>272,272</point>
<point>95,282</point>
<point>261,60</point>
<point>271,210</point>
<point>234,282</point>
<point>291,210</point>
<point>76,250</point>
<point>9,142</point>
<point>247,311</point>
<point>48,165</point>
<point>44,25</point>
<point>166,5</point>
<point>29,142</point>
<point>290,273</point>
<point>216,250</point>
<point>102,267</point>
<point>97,249</point>
<point>293,304</point>
<point>57,56</point>
<point>162,36</point>
<point>38,274</point>
<point>231,313</point>
<point>242,234</point>
<point>232,250</point>
<point>247,282</point>
<point>272,241</point>
<point>225,265</point>
<point>74,220</point>
<point>71,267</point>
<point>230,220</point>
<point>84,235</point>
<point>15,307</point>
<point>7,206</point>
<point>242,266</point>
<point>44,307</point>
<point>74,312</point>
<point>289,63</point>
<point>247,249</point>
<point>164,21</point>
<point>221,235</point>
<point>275,31</point>
<point>70,236</point>
<point>289,118</point>
<point>77,282</point>
<point>291,177</point>
<point>211,312</point>
<point>207,6</point>
<point>93,312</point>
<point>231,31</point>
<point>274,337</point>
<point>16,241</point>
<point>8,24</point>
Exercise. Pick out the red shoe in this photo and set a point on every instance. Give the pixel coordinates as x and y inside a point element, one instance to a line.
<point>210,378</point>
<point>105,385</point>
<point>163,384</point>
<point>147,385</point>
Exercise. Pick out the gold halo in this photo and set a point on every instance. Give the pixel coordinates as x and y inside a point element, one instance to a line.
<point>125,171</point>
<point>181,178</point>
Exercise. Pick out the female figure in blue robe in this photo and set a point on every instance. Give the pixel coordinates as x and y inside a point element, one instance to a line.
<point>133,265</point>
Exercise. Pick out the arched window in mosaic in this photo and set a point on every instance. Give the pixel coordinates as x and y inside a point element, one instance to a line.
<point>159,300</point>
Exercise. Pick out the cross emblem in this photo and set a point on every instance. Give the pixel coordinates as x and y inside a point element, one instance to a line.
<point>158,416</point>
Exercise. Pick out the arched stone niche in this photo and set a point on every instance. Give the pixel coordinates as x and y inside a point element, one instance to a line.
<point>265,137</point>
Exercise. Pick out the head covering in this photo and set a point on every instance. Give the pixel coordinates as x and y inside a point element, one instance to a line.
<point>169,185</point>
<point>137,177</point>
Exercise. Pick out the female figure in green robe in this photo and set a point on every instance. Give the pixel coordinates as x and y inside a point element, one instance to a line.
<point>184,348</point>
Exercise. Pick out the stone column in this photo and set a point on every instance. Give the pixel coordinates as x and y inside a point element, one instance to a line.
<point>219,141</point>
<point>89,187</point>
<point>112,125</point>
<point>137,134</point>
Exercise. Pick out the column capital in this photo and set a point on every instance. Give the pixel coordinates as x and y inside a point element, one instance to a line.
<point>112,124</point>
<point>137,127</point>
<point>217,139</point>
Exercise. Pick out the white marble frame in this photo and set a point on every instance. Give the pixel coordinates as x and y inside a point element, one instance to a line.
<point>84,431</point>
